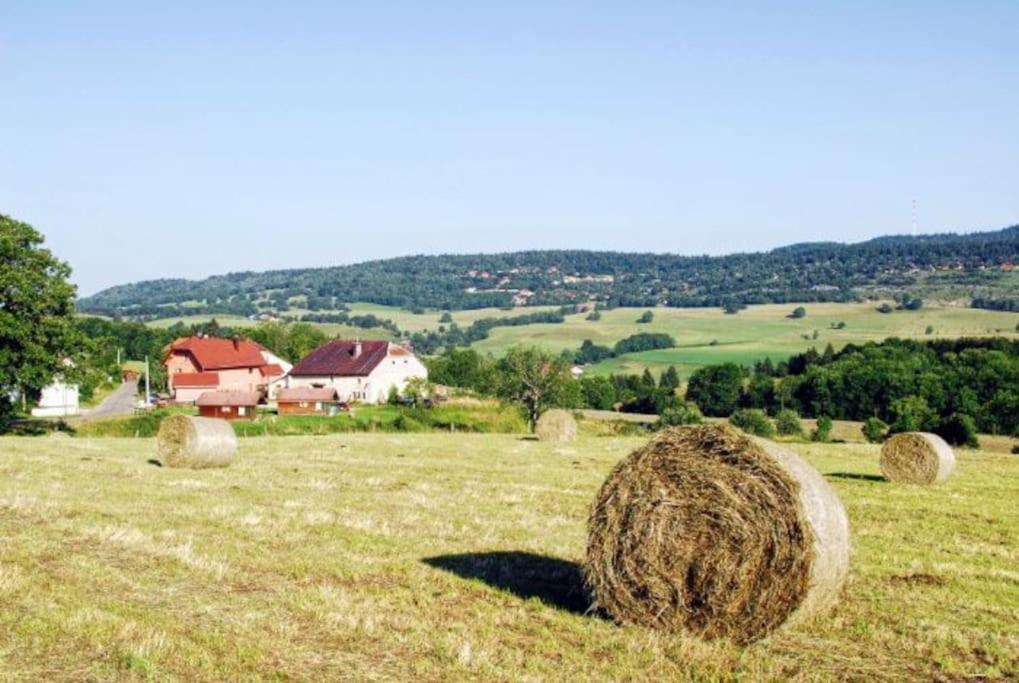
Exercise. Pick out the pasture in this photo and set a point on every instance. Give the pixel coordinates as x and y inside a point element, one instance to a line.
<point>706,336</point>
<point>439,557</point>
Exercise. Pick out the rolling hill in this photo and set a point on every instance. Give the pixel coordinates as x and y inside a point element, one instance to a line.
<point>957,267</point>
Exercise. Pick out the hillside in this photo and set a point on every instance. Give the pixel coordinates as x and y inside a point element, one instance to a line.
<point>949,266</point>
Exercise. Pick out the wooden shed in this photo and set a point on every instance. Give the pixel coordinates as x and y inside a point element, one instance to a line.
<point>305,400</point>
<point>229,405</point>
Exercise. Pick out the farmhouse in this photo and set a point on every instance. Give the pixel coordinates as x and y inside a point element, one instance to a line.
<point>228,405</point>
<point>357,370</point>
<point>305,400</point>
<point>196,365</point>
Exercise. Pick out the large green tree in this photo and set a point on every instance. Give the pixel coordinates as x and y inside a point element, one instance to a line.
<point>535,380</point>
<point>36,314</point>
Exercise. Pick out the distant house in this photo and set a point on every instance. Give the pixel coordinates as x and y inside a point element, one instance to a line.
<point>57,400</point>
<point>229,405</point>
<point>357,370</point>
<point>305,400</point>
<point>129,375</point>
<point>196,365</point>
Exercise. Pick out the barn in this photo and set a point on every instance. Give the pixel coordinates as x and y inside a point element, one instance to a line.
<point>306,400</point>
<point>229,405</point>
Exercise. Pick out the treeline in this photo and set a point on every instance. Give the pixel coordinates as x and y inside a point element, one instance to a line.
<point>590,352</point>
<point>996,304</point>
<point>365,321</point>
<point>433,341</point>
<point>799,273</point>
<point>909,385</point>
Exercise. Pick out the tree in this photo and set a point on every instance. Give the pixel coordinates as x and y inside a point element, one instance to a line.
<point>913,304</point>
<point>669,379</point>
<point>594,316</point>
<point>798,312</point>
<point>959,429</point>
<point>787,422</point>
<point>874,429</point>
<point>36,315</point>
<point>760,392</point>
<point>446,317</point>
<point>912,414</point>
<point>598,392</point>
<point>885,308</point>
<point>646,317</point>
<point>822,433</point>
<point>752,421</point>
<point>716,389</point>
<point>684,413</point>
<point>534,380</point>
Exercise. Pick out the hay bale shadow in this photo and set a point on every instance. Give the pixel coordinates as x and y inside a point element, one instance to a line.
<point>557,583</point>
<point>855,475</point>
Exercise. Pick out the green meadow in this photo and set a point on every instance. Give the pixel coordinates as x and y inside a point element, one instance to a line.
<point>452,557</point>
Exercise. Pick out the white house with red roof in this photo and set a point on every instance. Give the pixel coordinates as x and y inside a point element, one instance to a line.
<point>358,370</point>
<point>196,365</point>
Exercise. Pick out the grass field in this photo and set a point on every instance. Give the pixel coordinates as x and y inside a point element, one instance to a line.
<point>448,557</point>
<point>753,334</point>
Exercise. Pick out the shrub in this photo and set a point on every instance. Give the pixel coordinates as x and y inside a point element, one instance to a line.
<point>752,421</point>
<point>822,433</point>
<point>787,422</point>
<point>686,413</point>
<point>594,316</point>
<point>798,312</point>
<point>646,317</point>
<point>874,429</point>
<point>885,308</point>
<point>959,429</point>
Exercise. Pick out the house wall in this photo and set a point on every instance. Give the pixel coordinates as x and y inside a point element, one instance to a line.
<point>234,379</point>
<point>189,394</point>
<point>57,400</point>
<point>303,408</point>
<point>228,412</point>
<point>395,370</point>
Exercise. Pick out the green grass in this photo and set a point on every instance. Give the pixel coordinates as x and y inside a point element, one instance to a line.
<point>753,334</point>
<point>450,557</point>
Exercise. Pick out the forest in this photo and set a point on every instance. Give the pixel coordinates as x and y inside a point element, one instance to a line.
<point>810,272</point>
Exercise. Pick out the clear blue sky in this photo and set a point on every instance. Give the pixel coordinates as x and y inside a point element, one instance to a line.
<point>189,140</point>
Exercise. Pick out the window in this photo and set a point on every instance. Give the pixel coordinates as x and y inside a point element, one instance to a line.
<point>318,405</point>
<point>224,409</point>
<point>242,411</point>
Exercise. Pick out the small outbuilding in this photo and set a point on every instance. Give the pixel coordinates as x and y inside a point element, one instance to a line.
<point>229,405</point>
<point>305,400</point>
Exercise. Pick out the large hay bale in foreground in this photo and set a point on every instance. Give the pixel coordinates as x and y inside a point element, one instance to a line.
<point>195,442</point>
<point>916,458</point>
<point>557,426</point>
<point>715,533</point>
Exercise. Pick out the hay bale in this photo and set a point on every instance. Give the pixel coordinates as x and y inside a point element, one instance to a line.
<point>195,442</point>
<point>916,458</point>
<point>715,533</point>
<point>557,426</point>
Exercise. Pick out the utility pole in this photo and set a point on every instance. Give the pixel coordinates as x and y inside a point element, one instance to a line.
<point>148,389</point>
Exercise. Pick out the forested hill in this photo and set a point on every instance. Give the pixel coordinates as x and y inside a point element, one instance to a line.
<point>977,265</point>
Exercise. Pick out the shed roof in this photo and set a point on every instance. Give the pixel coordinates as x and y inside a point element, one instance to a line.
<point>229,398</point>
<point>305,394</point>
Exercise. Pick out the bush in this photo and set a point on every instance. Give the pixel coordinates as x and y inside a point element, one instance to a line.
<point>646,317</point>
<point>874,430</point>
<point>959,429</point>
<point>822,433</point>
<point>752,421</point>
<point>1015,449</point>
<point>885,308</point>
<point>798,312</point>
<point>788,423</point>
<point>686,413</point>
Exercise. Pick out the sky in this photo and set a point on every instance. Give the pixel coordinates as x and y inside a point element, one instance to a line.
<point>187,139</point>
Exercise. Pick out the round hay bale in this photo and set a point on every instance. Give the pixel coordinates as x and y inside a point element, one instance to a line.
<point>715,533</point>
<point>195,442</point>
<point>557,426</point>
<point>916,458</point>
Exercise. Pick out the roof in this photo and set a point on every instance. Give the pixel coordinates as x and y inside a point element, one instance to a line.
<point>228,398</point>
<point>220,354</point>
<point>306,394</point>
<point>195,379</point>
<point>340,359</point>
<point>272,370</point>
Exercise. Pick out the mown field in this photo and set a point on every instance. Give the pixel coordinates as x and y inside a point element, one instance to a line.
<point>448,557</point>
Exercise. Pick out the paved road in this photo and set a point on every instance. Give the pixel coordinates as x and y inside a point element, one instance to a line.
<point>120,402</point>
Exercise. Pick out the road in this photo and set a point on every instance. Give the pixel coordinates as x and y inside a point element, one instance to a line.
<point>120,402</point>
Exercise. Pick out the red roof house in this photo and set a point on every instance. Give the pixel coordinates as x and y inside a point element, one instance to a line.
<point>195,365</point>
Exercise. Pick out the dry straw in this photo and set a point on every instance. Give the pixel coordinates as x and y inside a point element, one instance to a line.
<point>916,458</point>
<point>195,442</point>
<point>709,531</point>
<point>557,426</point>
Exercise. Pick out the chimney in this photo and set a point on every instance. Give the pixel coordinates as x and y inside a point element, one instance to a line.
<point>357,348</point>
